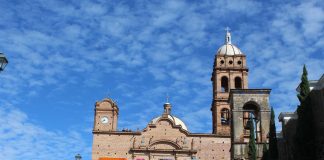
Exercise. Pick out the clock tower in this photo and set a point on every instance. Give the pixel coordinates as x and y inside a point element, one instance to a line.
<point>106,116</point>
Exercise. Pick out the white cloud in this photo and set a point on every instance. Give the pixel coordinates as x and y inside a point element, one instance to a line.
<point>22,139</point>
<point>118,46</point>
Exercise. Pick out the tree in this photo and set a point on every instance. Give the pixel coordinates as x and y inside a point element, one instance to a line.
<point>304,87</point>
<point>265,152</point>
<point>252,145</point>
<point>273,149</point>
<point>304,138</point>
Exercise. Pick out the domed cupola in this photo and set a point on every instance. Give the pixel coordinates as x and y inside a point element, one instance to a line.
<point>174,119</point>
<point>167,114</point>
<point>228,48</point>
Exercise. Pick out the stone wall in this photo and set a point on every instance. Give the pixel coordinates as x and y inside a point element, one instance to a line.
<point>239,98</point>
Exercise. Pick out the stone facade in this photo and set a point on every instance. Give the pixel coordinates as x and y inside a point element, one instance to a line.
<point>243,103</point>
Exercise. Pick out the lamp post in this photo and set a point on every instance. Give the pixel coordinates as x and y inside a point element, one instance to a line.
<point>78,157</point>
<point>3,61</point>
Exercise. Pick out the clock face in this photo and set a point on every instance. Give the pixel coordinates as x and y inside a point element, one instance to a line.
<point>104,120</point>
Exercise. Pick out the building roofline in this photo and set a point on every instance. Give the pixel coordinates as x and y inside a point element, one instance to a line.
<point>292,115</point>
<point>313,84</point>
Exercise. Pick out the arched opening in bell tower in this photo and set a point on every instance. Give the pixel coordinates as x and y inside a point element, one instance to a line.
<point>224,84</point>
<point>225,116</point>
<point>238,83</point>
<point>251,112</point>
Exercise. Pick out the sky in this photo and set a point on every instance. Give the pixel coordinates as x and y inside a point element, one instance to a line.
<point>66,55</point>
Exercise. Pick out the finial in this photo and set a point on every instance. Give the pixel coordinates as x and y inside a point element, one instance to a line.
<point>167,106</point>
<point>228,36</point>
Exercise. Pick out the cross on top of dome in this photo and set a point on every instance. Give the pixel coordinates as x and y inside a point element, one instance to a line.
<point>227,29</point>
<point>228,48</point>
<point>228,36</point>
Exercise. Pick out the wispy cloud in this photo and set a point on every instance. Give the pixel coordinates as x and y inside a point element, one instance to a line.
<point>67,55</point>
<point>22,139</point>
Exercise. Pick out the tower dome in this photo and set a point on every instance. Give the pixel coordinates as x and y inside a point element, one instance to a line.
<point>228,48</point>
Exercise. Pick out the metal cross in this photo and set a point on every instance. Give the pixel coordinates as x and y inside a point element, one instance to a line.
<point>167,98</point>
<point>227,29</point>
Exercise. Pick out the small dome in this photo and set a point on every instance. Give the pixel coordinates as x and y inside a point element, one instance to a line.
<point>174,119</point>
<point>228,49</point>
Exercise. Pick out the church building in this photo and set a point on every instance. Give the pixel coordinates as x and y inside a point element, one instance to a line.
<point>167,138</point>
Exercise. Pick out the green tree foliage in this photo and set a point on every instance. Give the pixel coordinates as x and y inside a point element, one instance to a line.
<point>265,152</point>
<point>252,145</point>
<point>273,148</point>
<point>304,138</point>
<point>304,87</point>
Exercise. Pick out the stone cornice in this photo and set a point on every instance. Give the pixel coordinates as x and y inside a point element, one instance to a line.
<point>117,132</point>
<point>250,91</point>
<point>140,133</point>
<point>224,55</point>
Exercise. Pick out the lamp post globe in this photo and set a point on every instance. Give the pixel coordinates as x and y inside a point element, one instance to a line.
<point>3,62</point>
<point>78,157</point>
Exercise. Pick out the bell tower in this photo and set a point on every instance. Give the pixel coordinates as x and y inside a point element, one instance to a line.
<point>229,72</point>
<point>106,116</point>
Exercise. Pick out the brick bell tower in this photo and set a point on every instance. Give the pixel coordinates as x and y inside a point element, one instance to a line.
<point>229,72</point>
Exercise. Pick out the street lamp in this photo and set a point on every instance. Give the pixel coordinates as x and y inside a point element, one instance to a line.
<point>3,61</point>
<point>78,157</point>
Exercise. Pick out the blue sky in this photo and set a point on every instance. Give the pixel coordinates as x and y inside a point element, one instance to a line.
<point>66,55</point>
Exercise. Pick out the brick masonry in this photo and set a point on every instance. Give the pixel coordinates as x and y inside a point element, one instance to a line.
<point>162,139</point>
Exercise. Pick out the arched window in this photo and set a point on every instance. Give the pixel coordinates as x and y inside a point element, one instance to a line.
<point>225,116</point>
<point>224,84</point>
<point>238,83</point>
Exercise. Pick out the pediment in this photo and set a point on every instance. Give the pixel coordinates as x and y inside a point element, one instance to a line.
<point>106,104</point>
